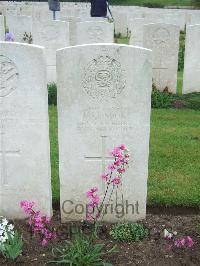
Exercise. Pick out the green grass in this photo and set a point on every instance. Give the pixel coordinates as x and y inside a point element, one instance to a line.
<point>174,168</point>
<point>160,2</point>
<point>179,82</point>
<point>53,128</point>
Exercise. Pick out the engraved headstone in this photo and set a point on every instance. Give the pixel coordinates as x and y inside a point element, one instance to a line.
<point>20,26</point>
<point>163,40</point>
<point>104,99</point>
<point>94,32</point>
<point>191,77</point>
<point>52,35</point>
<point>24,136</point>
<point>2,29</point>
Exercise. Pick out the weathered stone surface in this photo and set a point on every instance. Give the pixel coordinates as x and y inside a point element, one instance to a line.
<point>72,28</point>
<point>94,32</point>
<point>191,78</point>
<point>24,134</point>
<point>19,25</point>
<point>104,99</point>
<point>163,40</point>
<point>2,29</point>
<point>52,35</point>
<point>121,22</point>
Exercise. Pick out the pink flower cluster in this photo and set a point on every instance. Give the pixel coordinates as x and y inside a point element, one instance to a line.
<point>94,201</point>
<point>118,167</point>
<point>184,242</point>
<point>39,224</point>
<point>111,177</point>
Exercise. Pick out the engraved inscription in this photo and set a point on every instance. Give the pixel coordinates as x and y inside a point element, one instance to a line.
<point>103,158</point>
<point>8,76</point>
<point>103,78</point>
<point>161,36</point>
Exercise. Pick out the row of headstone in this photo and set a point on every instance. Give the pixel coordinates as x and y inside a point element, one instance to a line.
<point>57,34</point>
<point>163,40</point>
<point>122,14</point>
<point>104,98</point>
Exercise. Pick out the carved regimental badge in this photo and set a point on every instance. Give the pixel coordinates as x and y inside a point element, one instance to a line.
<point>103,78</point>
<point>8,76</point>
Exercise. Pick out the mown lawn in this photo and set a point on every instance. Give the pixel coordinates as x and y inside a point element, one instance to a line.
<point>174,168</point>
<point>158,2</point>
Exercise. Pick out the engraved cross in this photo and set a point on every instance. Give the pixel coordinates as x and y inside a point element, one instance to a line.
<point>103,158</point>
<point>4,153</point>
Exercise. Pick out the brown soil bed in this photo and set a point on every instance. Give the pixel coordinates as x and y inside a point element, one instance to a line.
<point>151,251</point>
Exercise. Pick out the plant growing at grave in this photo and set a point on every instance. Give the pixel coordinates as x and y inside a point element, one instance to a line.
<point>128,232</point>
<point>181,51</point>
<point>177,243</point>
<point>160,99</point>
<point>28,37</point>
<point>81,251</point>
<point>39,224</point>
<point>10,241</point>
<point>9,37</point>
<point>52,94</point>
<point>113,180</point>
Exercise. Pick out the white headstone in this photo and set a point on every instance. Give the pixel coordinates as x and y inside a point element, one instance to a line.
<point>52,35</point>
<point>94,32</point>
<point>163,40</point>
<point>2,29</point>
<point>191,79</point>
<point>121,22</point>
<point>104,99</point>
<point>194,19</point>
<point>72,28</point>
<point>24,134</point>
<point>136,31</point>
<point>19,26</point>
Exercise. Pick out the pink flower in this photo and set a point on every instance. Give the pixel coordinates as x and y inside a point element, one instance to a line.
<point>116,152</point>
<point>95,200</point>
<point>111,167</point>
<point>27,206</point>
<point>120,170</point>
<point>116,180</point>
<point>91,192</point>
<point>122,147</point>
<point>37,222</point>
<point>105,177</point>
<point>180,243</point>
<point>44,242</point>
<point>190,241</point>
<point>118,162</point>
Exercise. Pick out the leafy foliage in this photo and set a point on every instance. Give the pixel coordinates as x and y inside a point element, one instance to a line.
<point>128,232</point>
<point>52,94</point>
<point>12,248</point>
<point>160,99</point>
<point>181,51</point>
<point>196,3</point>
<point>81,251</point>
<point>190,100</point>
